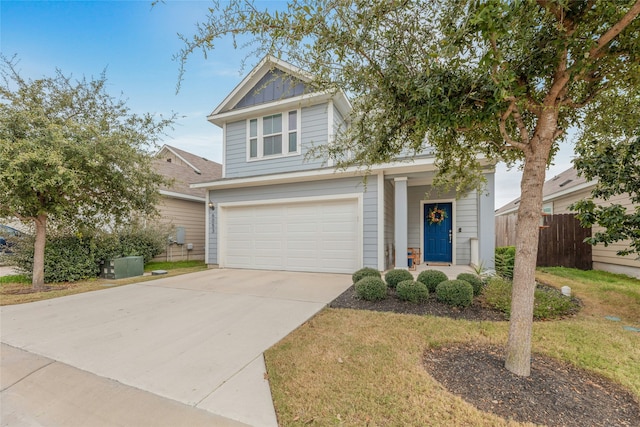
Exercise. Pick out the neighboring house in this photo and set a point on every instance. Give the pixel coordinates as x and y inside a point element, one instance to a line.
<point>276,209</point>
<point>563,190</point>
<point>181,206</point>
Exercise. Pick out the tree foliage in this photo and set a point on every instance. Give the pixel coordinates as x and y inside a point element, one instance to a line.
<point>613,159</point>
<point>497,78</point>
<point>72,156</point>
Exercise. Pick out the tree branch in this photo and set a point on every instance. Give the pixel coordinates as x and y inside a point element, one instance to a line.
<point>503,129</point>
<point>616,29</point>
<point>522,128</point>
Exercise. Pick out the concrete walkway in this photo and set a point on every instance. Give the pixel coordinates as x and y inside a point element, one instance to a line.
<point>184,350</point>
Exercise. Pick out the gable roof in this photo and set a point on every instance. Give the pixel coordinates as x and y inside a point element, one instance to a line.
<point>255,82</point>
<point>192,168</point>
<point>562,184</point>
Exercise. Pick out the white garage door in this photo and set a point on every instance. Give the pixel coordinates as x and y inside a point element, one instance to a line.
<point>310,236</point>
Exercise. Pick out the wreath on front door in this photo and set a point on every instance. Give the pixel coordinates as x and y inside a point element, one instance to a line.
<point>436,216</point>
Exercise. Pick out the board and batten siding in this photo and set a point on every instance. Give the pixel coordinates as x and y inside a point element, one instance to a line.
<point>313,132</point>
<point>190,215</point>
<point>293,191</point>
<point>276,85</point>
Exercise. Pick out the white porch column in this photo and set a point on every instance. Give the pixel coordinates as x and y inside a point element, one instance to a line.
<point>401,220</point>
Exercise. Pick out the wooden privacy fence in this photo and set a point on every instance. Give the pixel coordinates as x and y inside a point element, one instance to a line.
<point>560,242</point>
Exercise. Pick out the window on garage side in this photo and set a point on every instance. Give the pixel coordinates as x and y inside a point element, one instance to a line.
<point>275,135</point>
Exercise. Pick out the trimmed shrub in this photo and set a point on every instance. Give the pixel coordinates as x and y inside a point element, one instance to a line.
<point>504,261</point>
<point>432,278</point>
<point>393,277</point>
<point>548,302</point>
<point>371,288</point>
<point>473,280</point>
<point>365,272</point>
<point>411,291</point>
<point>146,242</point>
<point>455,292</point>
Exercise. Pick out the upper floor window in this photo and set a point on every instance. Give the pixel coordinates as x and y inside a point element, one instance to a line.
<point>275,135</point>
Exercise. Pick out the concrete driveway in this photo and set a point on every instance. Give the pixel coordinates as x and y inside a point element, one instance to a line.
<point>191,343</point>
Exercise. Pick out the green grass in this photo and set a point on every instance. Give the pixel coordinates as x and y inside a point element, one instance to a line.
<point>171,265</point>
<point>607,293</point>
<point>15,278</point>
<point>358,367</point>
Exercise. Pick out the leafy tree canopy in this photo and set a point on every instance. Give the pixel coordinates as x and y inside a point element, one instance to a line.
<point>473,76</point>
<point>70,151</point>
<point>72,156</point>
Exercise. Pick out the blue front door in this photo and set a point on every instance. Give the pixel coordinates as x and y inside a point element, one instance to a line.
<point>438,232</point>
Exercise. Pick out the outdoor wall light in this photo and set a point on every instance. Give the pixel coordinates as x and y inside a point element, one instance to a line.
<point>212,206</point>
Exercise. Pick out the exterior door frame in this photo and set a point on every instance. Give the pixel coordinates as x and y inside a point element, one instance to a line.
<point>453,226</point>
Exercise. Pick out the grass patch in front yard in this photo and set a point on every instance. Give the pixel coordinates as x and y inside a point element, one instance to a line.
<point>172,265</point>
<point>602,293</point>
<point>15,278</point>
<point>16,289</point>
<point>358,367</point>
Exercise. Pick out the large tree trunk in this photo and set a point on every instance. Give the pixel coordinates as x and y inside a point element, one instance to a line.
<point>518,357</point>
<point>38,252</point>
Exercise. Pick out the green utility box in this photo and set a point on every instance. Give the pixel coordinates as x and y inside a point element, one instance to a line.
<point>120,268</point>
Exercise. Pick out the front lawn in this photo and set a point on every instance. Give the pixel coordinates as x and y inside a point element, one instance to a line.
<point>16,289</point>
<point>360,367</point>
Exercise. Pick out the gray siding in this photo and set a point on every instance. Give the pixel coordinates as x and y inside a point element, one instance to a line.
<point>275,85</point>
<point>467,221</point>
<point>314,131</point>
<point>339,124</point>
<point>487,224</point>
<point>235,149</point>
<point>308,189</point>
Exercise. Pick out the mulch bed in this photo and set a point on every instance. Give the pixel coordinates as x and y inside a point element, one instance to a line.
<point>477,310</point>
<point>555,394</point>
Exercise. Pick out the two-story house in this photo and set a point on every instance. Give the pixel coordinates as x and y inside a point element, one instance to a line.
<point>276,209</point>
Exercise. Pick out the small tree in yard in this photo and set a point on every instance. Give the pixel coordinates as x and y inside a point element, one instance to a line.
<point>502,78</point>
<point>72,156</point>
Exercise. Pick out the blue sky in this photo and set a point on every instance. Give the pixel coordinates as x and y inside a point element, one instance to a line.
<point>135,44</point>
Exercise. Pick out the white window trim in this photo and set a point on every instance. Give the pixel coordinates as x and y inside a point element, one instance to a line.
<point>285,136</point>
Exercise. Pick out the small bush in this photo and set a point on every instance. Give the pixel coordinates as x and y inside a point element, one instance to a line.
<point>549,303</point>
<point>455,292</point>
<point>393,277</point>
<point>411,291</point>
<point>365,272</point>
<point>473,280</point>
<point>497,294</point>
<point>371,288</point>
<point>432,278</point>
<point>504,261</point>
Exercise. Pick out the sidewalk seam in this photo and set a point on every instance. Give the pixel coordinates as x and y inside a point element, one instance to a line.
<point>28,375</point>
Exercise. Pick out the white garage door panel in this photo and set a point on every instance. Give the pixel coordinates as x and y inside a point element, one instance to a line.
<point>317,236</point>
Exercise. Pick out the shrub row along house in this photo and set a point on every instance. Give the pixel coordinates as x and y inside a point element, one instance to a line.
<point>559,193</point>
<point>275,208</point>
